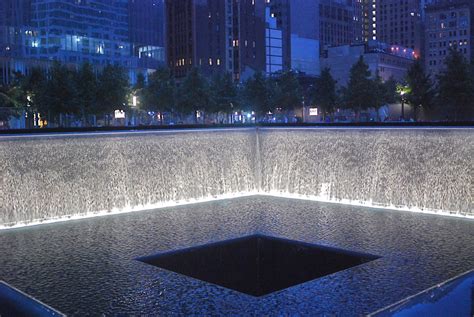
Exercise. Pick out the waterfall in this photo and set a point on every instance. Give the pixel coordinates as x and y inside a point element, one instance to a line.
<point>258,165</point>
<point>51,177</point>
<point>57,176</point>
<point>420,169</point>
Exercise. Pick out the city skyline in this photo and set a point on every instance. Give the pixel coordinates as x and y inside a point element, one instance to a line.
<point>237,37</point>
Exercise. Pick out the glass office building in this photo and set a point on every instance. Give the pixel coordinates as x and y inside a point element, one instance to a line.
<point>274,44</point>
<point>277,36</point>
<point>127,33</point>
<point>74,31</point>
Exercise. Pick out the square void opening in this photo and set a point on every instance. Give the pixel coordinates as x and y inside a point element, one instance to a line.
<point>257,265</point>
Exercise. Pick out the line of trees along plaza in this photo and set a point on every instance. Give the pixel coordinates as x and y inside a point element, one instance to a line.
<point>65,96</point>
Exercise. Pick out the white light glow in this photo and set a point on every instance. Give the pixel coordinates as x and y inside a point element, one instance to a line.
<point>119,114</point>
<point>128,209</point>
<point>151,207</point>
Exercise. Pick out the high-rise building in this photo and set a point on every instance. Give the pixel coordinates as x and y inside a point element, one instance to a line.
<point>77,31</point>
<point>240,37</point>
<point>304,18</point>
<point>146,31</point>
<point>196,35</point>
<point>146,22</point>
<point>449,25</point>
<point>179,35</point>
<point>395,22</point>
<point>14,14</point>
<point>33,33</point>
<point>304,29</point>
<point>277,36</point>
<point>249,55</point>
<point>338,22</point>
<point>368,19</point>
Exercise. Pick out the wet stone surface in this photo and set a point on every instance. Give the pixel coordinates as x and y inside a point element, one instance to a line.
<point>90,266</point>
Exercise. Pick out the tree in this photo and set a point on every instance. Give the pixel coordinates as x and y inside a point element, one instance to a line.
<point>33,87</point>
<point>61,95</point>
<point>140,84</point>
<point>87,88</point>
<point>257,93</point>
<point>288,91</point>
<point>113,89</point>
<point>10,100</point>
<point>139,89</point>
<point>223,94</point>
<point>420,88</point>
<point>455,87</point>
<point>389,91</point>
<point>193,93</point>
<point>360,92</point>
<point>160,94</point>
<point>324,92</point>
<point>385,92</point>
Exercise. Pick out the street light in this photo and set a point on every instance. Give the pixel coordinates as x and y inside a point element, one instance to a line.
<point>403,105</point>
<point>28,107</point>
<point>134,106</point>
<point>402,90</point>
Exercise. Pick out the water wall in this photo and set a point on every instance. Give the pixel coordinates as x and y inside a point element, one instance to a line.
<point>62,175</point>
<point>419,169</point>
<point>57,176</point>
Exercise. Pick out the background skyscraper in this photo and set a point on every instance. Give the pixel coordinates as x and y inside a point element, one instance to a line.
<point>395,22</point>
<point>337,22</point>
<point>449,25</point>
<point>239,37</point>
<point>95,31</point>
<point>196,35</point>
<point>218,36</point>
<point>33,33</point>
<point>14,14</point>
<point>146,31</point>
<point>304,29</point>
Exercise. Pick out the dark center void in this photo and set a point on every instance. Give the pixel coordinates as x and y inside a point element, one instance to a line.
<point>257,265</point>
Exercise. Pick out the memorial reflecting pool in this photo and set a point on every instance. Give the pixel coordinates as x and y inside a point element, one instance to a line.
<point>92,265</point>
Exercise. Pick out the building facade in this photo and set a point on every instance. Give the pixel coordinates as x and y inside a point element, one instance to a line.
<point>385,60</point>
<point>34,33</point>
<point>146,31</point>
<point>304,29</point>
<point>94,31</point>
<point>338,22</point>
<point>449,25</point>
<point>239,37</point>
<point>277,36</point>
<point>395,22</point>
<point>14,14</point>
